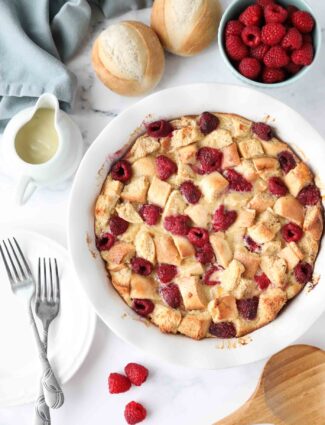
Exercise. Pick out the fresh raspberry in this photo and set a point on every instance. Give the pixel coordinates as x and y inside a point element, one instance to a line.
<point>247,308</point>
<point>207,276</point>
<point>171,295</point>
<point>262,281</point>
<point>204,254</point>
<point>303,272</point>
<point>291,232</point>
<point>304,55</point>
<point>251,245</point>
<point>134,413</point>
<point>235,48</point>
<point>292,40</point>
<point>136,373</point>
<point>150,213</point>
<point>208,122</point>
<point>223,330</point>
<point>234,27</point>
<point>165,167</point>
<point>209,159</point>
<point>141,266</point>
<point>303,21</point>
<point>142,307</point>
<point>177,224</point>
<point>198,236</point>
<point>260,51</point>
<point>190,192</point>
<point>118,225</point>
<point>166,272</point>
<point>277,186</point>
<point>274,13</point>
<point>264,3</point>
<point>272,34</point>
<point>237,182</point>
<point>291,10</point>
<point>276,57</point>
<point>251,36</point>
<point>307,38</point>
<point>292,68</point>
<point>118,383</point>
<point>121,171</point>
<point>252,15</point>
<point>159,128</point>
<point>273,75</point>
<point>287,161</point>
<point>105,242</point>
<point>309,195</point>
<point>223,219</point>
<point>250,68</point>
<point>262,130</point>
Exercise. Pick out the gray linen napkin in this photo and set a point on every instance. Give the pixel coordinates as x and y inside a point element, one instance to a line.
<point>35,37</point>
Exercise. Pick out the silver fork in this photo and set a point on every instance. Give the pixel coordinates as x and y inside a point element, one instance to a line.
<point>47,306</point>
<point>22,285</point>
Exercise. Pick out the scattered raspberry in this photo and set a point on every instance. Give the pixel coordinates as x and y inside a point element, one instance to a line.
<point>277,186</point>
<point>247,308</point>
<point>287,161</point>
<point>190,192</point>
<point>292,68</point>
<point>166,272</point>
<point>234,27</point>
<point>134,413</point>
<point>235,48</point>
<point>209,159</point>
<point>177,224</point>
<point>223,330</point>
<point>159,128</point>
<point>291,232</point>
<point>171,295</point>
<point>105,242</point>
<point>262,130</point>
<point>264,3</point>
<point>309,195</point>
<point>292,40</point>
<point>291,10</point>
<point>274,13</point>
<point>260,51</point>
<point>141,266</point>
<point>118,225</point>
<point>207,276</point>
<point>198,236</point>
<point>250,68</point>
<point>208,122</point>
<point>121,171</point>
<point>276,57</point>
<point>136,373</point>
<point>303,21</point>
<point>118,383</point>
<point>237,182</point>
<point>272,34</point>
<point>304,55</point>
<point>273,75</point>
<point>142,307</point>
<point>252,15</point>
<point>223,219</point>
<point>165,167</point>
<point>251,36</point>
<point>150,213</point>
<point>251,245</point>
<point>204,254</point>
<point>303,272</point>
<point>262,281</point>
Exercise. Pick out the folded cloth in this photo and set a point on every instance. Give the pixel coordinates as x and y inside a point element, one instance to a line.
<point>35,37</point>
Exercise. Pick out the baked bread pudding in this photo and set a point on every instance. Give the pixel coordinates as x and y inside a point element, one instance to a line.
<point>209,225</point>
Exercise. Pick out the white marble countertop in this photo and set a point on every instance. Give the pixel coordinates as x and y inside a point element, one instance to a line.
<point>173,395</point>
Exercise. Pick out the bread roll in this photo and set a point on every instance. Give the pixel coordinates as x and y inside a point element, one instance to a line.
<point>185,27</point>
<point>128,58</point>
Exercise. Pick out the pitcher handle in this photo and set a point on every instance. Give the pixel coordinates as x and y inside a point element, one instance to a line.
<point>24,189</point>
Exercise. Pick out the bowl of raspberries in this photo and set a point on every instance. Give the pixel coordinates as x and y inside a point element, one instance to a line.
<point>269,43</point>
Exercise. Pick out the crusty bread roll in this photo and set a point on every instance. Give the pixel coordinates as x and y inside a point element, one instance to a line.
<point>185,27</point>
<point>128,58</point>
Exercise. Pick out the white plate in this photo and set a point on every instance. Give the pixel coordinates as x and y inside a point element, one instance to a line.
<point>190,99</point>
<point>70,334</point>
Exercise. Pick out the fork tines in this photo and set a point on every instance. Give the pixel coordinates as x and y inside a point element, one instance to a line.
<point>15,263</point>
<point>48,284</point>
